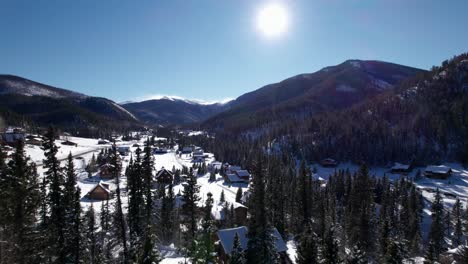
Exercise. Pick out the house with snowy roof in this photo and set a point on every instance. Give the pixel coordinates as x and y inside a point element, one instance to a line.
<point>99,192</point>
<point>12,134</point>
<point>438,172</point>
<point>106,170</point>
<point>219,212</point>
<point>226,243</point>
<point>400,168</point>
<point>243,174</point>
<point>164,176</point>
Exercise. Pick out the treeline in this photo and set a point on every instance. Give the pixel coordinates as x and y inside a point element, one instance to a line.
<point>353,218</point>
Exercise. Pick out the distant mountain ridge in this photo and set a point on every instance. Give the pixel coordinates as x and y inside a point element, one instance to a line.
<point>329,89</point>
<point>22,99</point>
<point>174,110</point>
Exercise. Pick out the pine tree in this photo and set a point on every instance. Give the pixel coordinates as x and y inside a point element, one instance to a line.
<point>136,202</point>
<point>304,195</point>
<point>118,218</point>
<point>72,217</point>
<point>261,246</point>
<point>221,198</point>
<point>307,249</point>
<point>330,251</point>
<point>202,250</point>
<point>190,198</point>
<point>237,253</point>
<point>436,233</point>
<point>458,228</point>
<point>239,195</point>
<point>92,250</point>
<point>356,256</point>
<point>150,253</point>
<point>167,216</point>
<point>105,228</point>
<point>395,253</point>
<point>54,178</point>
<point>147,166</point>
<point>19,204</point>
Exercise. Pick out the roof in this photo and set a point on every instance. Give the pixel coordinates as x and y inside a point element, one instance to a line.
<point>317,177</point>
<point>226,237</point>
<point>438,169</point>
<point>234,168</point>
<point>162,171</point>
<point>399,166</point>
<point>242,173</point>
<point>99,185</point>
<point>233,177</point>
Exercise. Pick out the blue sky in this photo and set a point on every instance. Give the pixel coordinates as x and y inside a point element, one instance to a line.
<point>211,49</point>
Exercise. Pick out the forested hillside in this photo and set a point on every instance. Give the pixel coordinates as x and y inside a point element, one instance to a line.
<point>424,119</point>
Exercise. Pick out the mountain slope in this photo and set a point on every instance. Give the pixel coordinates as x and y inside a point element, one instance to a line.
<point>173,111</point>
<point>46,105</point>
<point>332,88</point>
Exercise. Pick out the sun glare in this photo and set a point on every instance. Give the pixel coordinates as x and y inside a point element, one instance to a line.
<point>272,20</point>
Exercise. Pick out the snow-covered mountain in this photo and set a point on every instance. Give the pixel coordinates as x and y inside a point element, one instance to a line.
<point>47,105</point>
<point>173,110</point>
<point>10,84</point>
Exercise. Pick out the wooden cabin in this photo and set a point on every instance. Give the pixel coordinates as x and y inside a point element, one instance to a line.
<point>400,168</point>
<point>99,192</point>
<point>69,143</point>
<point>438,172</point>
<point>240,213</point>
<point>226,243</point>
<point>329,163</point>
<point>243,174</point>
<point>11,135</point>
<point>105,171</point>
<point>164,176</point>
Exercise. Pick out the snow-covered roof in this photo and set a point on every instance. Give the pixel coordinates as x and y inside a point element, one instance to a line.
<point>226,237</point>
<point>161,171</point>
<point>438,169</point>
<point>242,173</point>
<point>317,177</point>
<point>234,168</point>
<point>399,166</point>
<point>233,177</point>
<point>100,184</point>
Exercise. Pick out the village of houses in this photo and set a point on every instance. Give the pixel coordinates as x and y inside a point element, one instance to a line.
<point>98,186</point>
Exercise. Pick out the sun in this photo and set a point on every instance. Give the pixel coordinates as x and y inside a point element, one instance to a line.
<point>272,20</point>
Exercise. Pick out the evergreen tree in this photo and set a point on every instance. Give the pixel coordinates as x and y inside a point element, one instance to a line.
<point>19,205</point>
<point>92,251</point>
<point>395,253</point>
<point>436,233</point>
<point>55,195</point>
<point>356,256</point>
<point>239,195</point>
<point>147,167</point>
<point>261,246</point>
<point>118,218</point>
<point>190,197</point>
<point>307,250</point>
<point>150,253</point>
<point>458,228</point>
<point>330,251</point>
<point>202,250</point>
<point>237,253</point>
<point>167,216</point>
<point>221,198</point>
<point>72,217</point>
